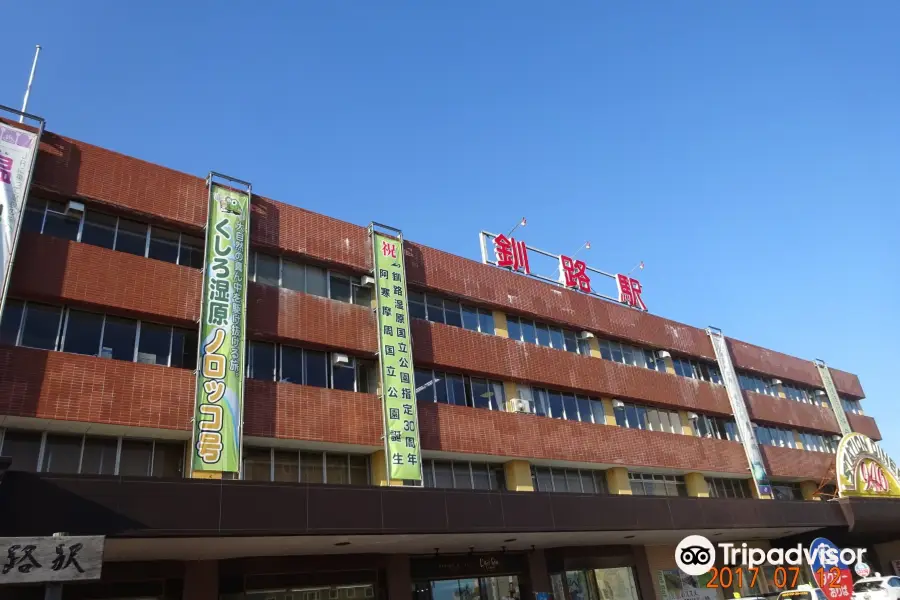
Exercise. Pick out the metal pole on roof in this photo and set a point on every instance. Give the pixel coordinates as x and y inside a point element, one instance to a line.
<point>37,52</point>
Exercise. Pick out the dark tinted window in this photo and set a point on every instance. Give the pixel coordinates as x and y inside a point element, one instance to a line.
<point>343,376</point>
<point>118,338</point>
<point>41,326</point>
<point>167,459</point>
<point>417,305</point>
<point>262,361</point>
<point>12,320</point>
<point>435,309</point>
<point>293,276</point>
<point>135,458</point>
<point>424,385</point>
<point>470,318</point>
<point>153,346</point>
<point>191,252</point>
<point>34,215</point>
<point>131,237</point>
<point>316,282</point>
<point>99,457</point>
<point>452,313</point>
<point>514,328</point>
<point>481,393</point>
<point>267,269</point>
<point>316,367</point>
<point>23,447</point>
<point>61,454</point>
<point>362,295</point>
<point>60,225</point>
<point>184,348</point>
<point>163,244</point>
<point>341,289</point>
<point>83,333</point>
<point>486,322</point>
<point>291,365</point>
<point>99,229</point>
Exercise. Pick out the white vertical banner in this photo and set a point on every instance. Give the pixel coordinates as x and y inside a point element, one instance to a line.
<point>18,152</point>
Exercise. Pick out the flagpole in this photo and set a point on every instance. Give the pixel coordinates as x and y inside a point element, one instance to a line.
<point>584,246</point>
<point>37,52</point>
<point>522,222</point>
<point>640,266</point>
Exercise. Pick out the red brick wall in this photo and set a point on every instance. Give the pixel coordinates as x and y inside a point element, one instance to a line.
<point>469,351</point>
<point>73,168</point>
<point>788,462</point>
<point>782,411</point>
<point>462,429</point>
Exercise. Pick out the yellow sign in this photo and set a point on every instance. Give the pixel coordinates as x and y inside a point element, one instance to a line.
<point>863,469</point>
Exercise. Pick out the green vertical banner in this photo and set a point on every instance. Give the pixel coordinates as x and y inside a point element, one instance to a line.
<point>401,429</point>
<point>218,411</point>
<point>833,398</point>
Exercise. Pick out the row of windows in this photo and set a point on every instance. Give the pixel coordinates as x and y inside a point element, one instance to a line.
<point>541,334</point>
<point>91,455</point>
<point>807,395</point>
<point>636,416</point>
<point>559,405</point>
<point>289,364</point>
<point>815,442</point>
<point>720,428</point>
<point>695,369</point>
<point>573,481</point>
<point>431,307</point>
<point>68,330</point>
<point>795,392</point>
<point>461,390</point>
<point>775,436</point>
<point>851,405</point>
<point>277,271</point>
<point>631,355</point>
<point>462,475</point>
<point>116,233</point>
<point>269,464</point>
<point>720,487</point>
<point>651,484</point>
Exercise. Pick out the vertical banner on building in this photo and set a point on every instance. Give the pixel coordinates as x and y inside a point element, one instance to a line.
<point>18,153</point>
<point>220,370</point>
<point>836,405</point>
<point>401,424</point>
<point>741,418</point>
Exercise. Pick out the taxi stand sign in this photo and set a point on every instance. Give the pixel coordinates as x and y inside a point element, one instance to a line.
<point>510,253</point>
<point>401,424</point>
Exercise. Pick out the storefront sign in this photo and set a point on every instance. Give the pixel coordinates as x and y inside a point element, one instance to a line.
<point>832,574</point>
<point>836,405</point>
<point>741,417</point>
<point>509,253</point>
<point>466,565</point>
<point>50,559</point>
<point>863,469</point>
<point>18,152</point>
<point>220,378</point>
<point>395,345</point>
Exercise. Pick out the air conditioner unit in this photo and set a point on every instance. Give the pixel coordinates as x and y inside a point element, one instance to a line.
<point>618,404</point>
<point>663,354</point>
<point>366,281</point>
<point>74,208</point>
<point>693,416</point>
<point>586,335</point>
<point>520,406</point>
<point>777,382</point>
<point>820,392</point>
<point>340,359</point>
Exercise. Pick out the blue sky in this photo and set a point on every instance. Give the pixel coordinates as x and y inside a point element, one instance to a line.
<point>747,152</point>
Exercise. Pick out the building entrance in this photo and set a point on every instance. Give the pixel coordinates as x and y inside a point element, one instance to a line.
<point>595,584</point>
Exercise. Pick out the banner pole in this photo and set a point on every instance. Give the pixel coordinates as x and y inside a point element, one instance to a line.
<point>37,52</point>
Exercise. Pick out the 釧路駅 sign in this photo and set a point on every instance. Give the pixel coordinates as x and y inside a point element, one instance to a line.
<point>18,152</point>
<point>50,559</point>
<point>512,254</point>
<point>863,469</point>
<point>401,426</point>
<point>220,371</point>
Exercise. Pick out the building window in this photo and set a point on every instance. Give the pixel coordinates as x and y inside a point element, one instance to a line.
<point>293,466</point>
<point>276,271</point>
<point>461,390</point>
<point>815,442</point>
<point>96,334</point>
<point>851,405</point>
<point>787,491</point>
<point>757,384</point>
<point>696,369</point>
<point>430,307</point>
<point>115,233</point>
<point>91,455</point>
<point>720,487</point>
<point>462,475</point>
<point>573,481</point>
<point>558,405</point>
<point>775,436</point>
<point>631,355</point>
<point>719,428</point>
<point>637,416</point>
<point>542,334</point>
<point>289,364</point>
<point>651,484</point>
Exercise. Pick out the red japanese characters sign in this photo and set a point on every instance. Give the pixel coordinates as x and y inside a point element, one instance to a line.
<point>513,254</point>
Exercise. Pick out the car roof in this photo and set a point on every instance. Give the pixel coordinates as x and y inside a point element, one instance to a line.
<point>869,579</point>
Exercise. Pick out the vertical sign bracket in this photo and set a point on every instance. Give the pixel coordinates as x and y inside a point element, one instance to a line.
<point>834,399</point>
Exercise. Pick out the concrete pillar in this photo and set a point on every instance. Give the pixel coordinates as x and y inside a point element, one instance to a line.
<point>500,327</point>
<point>809,489</point>
<point>201,580</point>
<point>608,412</point>
<point>378,468</point>
<point>399,578</point>
<point>510,390</point>
<point>595,347</point>
<point>670,366</point>
<point>797,442</point>
<point>696,485</point>
<point>518,476</point>
<point>617,481</point>
<point>646,579</point>
<point>687,426</point>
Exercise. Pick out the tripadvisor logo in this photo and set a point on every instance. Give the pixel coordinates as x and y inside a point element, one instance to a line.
<point>696,555</point>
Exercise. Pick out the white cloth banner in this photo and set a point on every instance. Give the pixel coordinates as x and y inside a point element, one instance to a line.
<point>17,150</point>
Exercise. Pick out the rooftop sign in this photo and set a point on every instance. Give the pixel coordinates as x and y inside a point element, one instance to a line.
<point>509,253</point>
